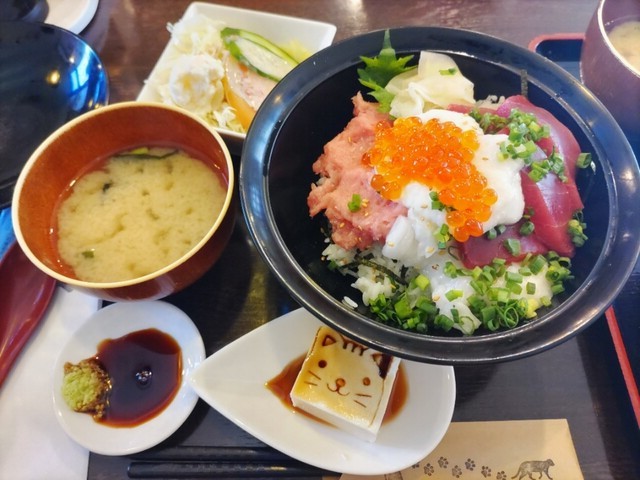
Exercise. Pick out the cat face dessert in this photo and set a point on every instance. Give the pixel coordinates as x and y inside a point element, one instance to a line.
<point>345,383</point>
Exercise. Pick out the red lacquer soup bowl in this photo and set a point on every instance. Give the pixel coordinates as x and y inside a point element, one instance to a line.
<point>70,151</point>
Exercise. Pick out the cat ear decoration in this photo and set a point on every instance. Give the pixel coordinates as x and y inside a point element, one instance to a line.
<point>328,340</point>
<point>331,339</point>
<point>382,361</point>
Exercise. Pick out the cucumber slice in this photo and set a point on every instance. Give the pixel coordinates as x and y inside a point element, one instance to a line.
<point>258,53</point>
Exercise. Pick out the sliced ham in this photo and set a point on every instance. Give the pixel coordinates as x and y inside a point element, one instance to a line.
<point>343,175</point>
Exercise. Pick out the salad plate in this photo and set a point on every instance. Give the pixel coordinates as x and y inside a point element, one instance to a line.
<point>233,381</point>
<point>283,30</point>
<point>115,321</point>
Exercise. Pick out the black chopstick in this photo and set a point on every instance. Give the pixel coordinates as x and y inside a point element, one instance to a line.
<point>221,470</point>
<point>220,462</point>
<point>213,453</point>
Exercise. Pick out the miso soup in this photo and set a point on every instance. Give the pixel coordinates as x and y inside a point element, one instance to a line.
<point>138,212</point>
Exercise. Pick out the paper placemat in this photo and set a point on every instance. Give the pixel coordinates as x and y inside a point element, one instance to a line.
<point>505,450</point>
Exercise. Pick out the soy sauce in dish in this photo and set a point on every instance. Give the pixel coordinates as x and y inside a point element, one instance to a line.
<point>145,368</point>
<point>281,386</point>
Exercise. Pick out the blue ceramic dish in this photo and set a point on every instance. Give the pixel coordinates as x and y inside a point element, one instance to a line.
<point>312,104</point>
<point>48,76</point>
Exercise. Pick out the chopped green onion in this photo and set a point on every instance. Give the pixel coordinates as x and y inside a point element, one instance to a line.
<point>513,277</point>
<point>444,322</point>
<point>525,271</point>
<point>499,294</point>
<point>476,302</point>
<point>531,288</point>
<point>452,295</point>
<point>88,253</point>
<point>355,203</point>
<point>527,228</point>
<point>524,131</point>
<point>143,153</point>
<point>450,270</point>
<point>421,281</point>
<point>536,264</point>
<point>479,287</point>
<point>448,71</point>
<point>436,204</point>
<point>402,307</point>
<point>476,272</point>
<point>514,287</point>
<point>576,229</point>
<point>139,151</point>
<point>442,235</point>
<point>495,231</point>
<point>513,246</point>
<point>553,164</point>
<point>489,122</point>
<point>584,160</point>
<point>537,172</point>
<point>488,316</point>
<point>426,305</point>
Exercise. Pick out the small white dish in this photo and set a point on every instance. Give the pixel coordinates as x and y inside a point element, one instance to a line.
<point>72,15</point>
<point>233,381</point>
<point>280,29</point>
<point>115,321</point>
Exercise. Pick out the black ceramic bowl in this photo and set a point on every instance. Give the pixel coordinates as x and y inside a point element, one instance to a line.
<point>48,76</point>
<point>312,104</point>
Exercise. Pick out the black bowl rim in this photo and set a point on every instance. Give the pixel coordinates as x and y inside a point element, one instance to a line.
<point>621,245</point>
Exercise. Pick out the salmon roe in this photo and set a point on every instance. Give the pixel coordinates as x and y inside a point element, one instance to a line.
<point>438,155</point>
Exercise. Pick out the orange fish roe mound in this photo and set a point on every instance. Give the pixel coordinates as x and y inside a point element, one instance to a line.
<point>438,155</point>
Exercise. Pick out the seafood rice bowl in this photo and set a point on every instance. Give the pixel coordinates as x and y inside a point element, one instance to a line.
<point>457,207</point>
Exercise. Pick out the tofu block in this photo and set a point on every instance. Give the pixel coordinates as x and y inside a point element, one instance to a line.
<point>345,384</point>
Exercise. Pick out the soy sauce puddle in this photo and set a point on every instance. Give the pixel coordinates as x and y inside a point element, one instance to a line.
<point>145,368</point>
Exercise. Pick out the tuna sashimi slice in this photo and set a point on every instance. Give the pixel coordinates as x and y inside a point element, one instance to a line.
<point>553,204</point>
<point>551,201</point>
<point>560,136</point>
<point>480,251</point>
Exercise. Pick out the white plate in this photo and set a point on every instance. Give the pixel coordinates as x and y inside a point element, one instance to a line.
<point>72,15</point>
<point>280,29</point>
<point>233,379</point>
<point>115,321</point>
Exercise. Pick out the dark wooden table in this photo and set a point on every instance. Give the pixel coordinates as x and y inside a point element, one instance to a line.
<point>579,380</point>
